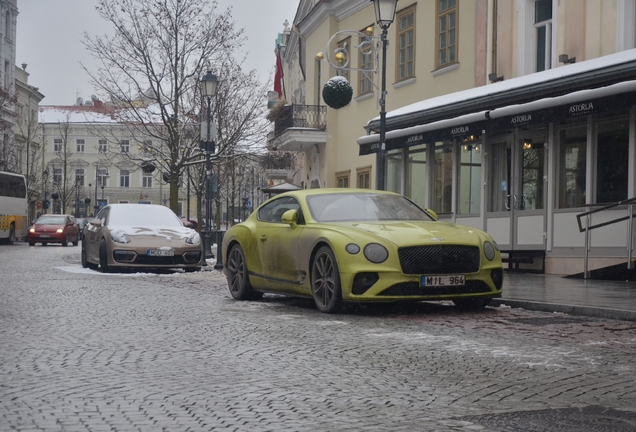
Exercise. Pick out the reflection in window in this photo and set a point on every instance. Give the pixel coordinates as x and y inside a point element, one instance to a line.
<point>498,176</point>
<point>532,175</point>
<point>469,187</point>
<point>417,175</point>
<point>394,171</point>
<point>573,144</point>
<point>612,161</point>
<point>441,199</point>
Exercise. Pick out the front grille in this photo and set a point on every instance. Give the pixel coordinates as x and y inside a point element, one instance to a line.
<point>414,289</point>
<point>439,259</point>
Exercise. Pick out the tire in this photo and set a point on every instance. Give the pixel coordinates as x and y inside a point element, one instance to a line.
<point>65,242</point>
<point>325,281</point>
<point>192,269</point>
<point>472,303</point>
<point>103,257</point>
<point>31,243</point>
<point>85,262</point>
<point>11,238</point>
<point>76,242</point>
<point>237,276</point>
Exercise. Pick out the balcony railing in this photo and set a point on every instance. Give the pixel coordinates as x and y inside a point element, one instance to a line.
<point>301,116</point>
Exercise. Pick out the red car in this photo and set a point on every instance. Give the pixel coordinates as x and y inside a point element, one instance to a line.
<point>54,228</point>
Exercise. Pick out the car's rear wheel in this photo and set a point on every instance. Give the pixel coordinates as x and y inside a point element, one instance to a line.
<point>11,238</point>
<point>31,243</point>
<point>103,256</point>
<point>325,281</point>
<point>65,242</point>
<point>472,303</point>
<point>237,278</point>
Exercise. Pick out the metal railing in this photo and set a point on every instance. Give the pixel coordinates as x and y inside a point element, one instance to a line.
<point>304,116</point>
<point>588,227</point>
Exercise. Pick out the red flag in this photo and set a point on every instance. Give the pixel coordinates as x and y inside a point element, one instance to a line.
<point>278,78</point>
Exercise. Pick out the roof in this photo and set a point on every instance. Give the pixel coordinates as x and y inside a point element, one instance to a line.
<point>281,187</point>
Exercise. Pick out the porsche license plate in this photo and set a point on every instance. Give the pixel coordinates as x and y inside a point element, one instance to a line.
<point>455,280</point>
<point>160,252</point>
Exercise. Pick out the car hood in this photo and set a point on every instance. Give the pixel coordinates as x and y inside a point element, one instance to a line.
<point>168,233</point>
<point>415,233</point>
<point>45,227</point>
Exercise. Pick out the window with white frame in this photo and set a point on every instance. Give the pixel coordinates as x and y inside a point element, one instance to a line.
<point>57,176</point>
<point>345,47</point>
<point>57,145</point>
<point>125,146</point>
<point>80,145</point>
<point>102,177</point>
<point>79,176</point>
<point>124,178</point>
<point>102,146</point>
<point>365,60</point>
<point>543,34</point>
<point>406,44</point>
<point>147,180</point>
<point>446,32</point>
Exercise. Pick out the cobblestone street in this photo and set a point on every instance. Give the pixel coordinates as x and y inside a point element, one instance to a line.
<point>85,351</point>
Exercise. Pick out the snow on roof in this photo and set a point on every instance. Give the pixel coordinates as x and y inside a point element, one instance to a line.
<point>515,83</point>
<point>76,114</point>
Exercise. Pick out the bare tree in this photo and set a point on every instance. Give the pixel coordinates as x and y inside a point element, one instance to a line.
<point>150,70</point>
<point>27,136</point>
<point>8,99</point>
<point>63,183</point>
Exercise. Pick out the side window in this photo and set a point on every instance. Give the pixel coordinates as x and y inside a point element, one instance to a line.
<point>272,211</point>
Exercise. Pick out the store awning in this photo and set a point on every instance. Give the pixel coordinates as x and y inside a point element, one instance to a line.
<point>578,103</point>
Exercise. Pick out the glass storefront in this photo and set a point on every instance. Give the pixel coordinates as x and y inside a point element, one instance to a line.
<point>416,175</point>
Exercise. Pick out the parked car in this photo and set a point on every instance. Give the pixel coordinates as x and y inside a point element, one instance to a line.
<point>54,228</point>
<point>192,221</point>
<point>140,236</point>
<point>358,245</point>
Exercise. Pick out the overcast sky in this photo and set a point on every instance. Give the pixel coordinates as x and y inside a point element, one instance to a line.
<point>49,38</point>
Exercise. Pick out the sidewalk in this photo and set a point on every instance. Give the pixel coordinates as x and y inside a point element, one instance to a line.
<point>554,293</point>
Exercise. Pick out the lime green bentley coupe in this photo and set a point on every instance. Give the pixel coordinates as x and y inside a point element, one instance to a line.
<point>358,245</point>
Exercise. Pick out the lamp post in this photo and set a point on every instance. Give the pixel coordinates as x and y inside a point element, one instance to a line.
<point>384,16</point>
<point>208,89</point>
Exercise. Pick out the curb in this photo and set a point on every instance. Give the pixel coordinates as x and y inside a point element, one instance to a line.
<point>597,312</point>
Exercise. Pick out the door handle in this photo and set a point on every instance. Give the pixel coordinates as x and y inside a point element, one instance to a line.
<point>507,202</point>
<point>514,197</point>
<point>263,237</point>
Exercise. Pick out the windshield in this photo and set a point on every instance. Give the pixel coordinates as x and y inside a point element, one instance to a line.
<point>364,207</point>
<point>143,215</point>
<point>51,220</point>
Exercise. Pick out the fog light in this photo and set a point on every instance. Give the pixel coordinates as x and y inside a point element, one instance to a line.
<point>363,281</point>
<point>497,278</point>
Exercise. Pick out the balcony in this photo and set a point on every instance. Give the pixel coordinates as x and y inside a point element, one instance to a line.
<point>298,128</point>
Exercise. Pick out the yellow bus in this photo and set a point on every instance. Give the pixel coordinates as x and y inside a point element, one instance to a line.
<point>14,209</point>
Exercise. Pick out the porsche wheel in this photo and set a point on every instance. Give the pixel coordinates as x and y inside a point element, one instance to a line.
<point>237,278</point>
<point>325,281</point>
<point>472,303</point>
<point>103,257</point>
<point>85,262</point>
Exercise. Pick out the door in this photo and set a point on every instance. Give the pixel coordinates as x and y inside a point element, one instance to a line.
<point>516,198</point>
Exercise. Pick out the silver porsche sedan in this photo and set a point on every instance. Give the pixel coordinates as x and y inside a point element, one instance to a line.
<point>140,236</point>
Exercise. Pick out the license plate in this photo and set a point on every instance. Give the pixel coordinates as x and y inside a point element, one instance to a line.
<point>160,252</point>
<point>44,236</point>
<point>456,280</point>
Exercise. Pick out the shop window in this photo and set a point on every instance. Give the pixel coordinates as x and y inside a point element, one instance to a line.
<point>417,184</point>
<point>469,184</point>
<point>406,44</point>
<point>532,172</point>
<point>364,178</point>
<point>572,161</point>
<point>446,32</point>
<point>394,165</point>
<point>612,161</point>
<point>442,193</point>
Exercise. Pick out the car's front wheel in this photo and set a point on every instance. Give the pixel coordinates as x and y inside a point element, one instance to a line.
<point>237,278</point>
<point>325,281</point>
<point>103,256</point>
<point>65,242</point>
<point>85,262</point>
<point>472,303</point>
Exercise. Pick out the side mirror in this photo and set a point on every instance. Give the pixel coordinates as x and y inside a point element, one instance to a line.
<point>432,214</point>
<point>290,217</point>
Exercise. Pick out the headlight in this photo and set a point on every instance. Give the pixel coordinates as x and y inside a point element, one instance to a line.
<point>32,230</point>
<point>489,250</point>
<point>60,230</point>
<point>119,237</point>
<point>376,253</point>
<point>194,239</point>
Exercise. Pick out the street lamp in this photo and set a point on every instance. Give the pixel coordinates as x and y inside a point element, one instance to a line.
<point>384,16</point>
<point>208,89</point>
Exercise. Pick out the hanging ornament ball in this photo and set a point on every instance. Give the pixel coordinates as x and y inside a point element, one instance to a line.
<point>337,92</point>
<point>166,177</point>
<point>147,167</point>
